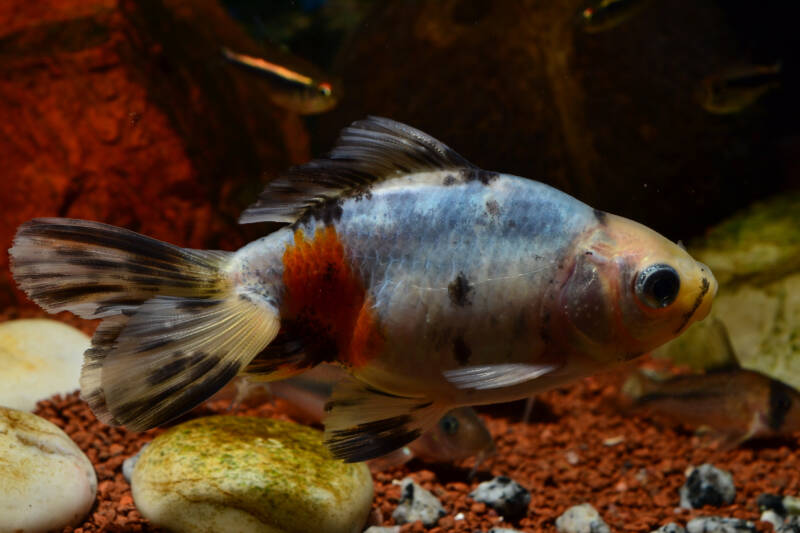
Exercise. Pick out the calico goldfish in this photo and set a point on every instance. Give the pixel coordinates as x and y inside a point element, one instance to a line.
<point>458,435</point>
<point>434,283</point>
<point>738,404</point>
<point>294,84</point>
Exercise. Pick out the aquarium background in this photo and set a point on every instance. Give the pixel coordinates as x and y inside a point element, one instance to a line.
<point>126,112</point>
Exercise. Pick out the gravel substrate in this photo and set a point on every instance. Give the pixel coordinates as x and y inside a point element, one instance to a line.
<point>579,447</point>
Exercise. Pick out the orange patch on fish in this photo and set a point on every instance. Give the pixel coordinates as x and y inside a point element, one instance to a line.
<point>326,300</point>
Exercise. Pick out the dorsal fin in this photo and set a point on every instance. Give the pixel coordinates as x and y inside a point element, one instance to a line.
<point>368,151</point>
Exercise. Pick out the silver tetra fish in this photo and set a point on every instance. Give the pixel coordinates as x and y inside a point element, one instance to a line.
<point>294,84</point>
<point>435,283</point>
<point>458,435</point>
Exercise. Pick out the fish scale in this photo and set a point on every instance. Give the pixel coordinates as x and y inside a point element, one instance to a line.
<point>434,283</point>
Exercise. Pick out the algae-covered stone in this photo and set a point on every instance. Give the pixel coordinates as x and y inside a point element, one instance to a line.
<point>231,473</point>
<point>755,257</point>
<point>46,482</point>
<point>39,358</point>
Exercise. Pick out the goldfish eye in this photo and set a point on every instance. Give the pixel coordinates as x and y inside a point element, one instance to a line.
<point>325,89</point>
<point>657,286</point>
<point>449,424</point>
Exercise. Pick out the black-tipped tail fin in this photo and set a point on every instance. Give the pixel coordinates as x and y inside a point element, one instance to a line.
<point>177,327</point>
<point>363,423</point>
<point>96,270</point>
<point>171,355</point>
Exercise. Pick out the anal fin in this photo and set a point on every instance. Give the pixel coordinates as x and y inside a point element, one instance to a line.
<point>170,354</point>
<point>363,423</point>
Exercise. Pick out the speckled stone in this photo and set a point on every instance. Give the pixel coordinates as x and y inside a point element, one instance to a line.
<point>417,503</point>
<point>506,496</point>
<point>248,474</point>
<point>581,518</point>
<point>707,485</point>
<point>718,524</point>
<point>672,527</point>
<point>39,357</point>
<point>46,482</point>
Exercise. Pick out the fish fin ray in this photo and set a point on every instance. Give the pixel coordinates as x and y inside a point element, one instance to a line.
<point>97,270</point>
<point>486,377</point>
<point>368,151</point>
<point>171,354</point>
<point>363,423</point>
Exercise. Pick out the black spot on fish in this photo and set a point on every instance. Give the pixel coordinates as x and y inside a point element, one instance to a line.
<point>459,290</point>
<point>543,332</point>
<point>461,351</point>
<point>780,401</point>
<point>492,207</point>
<point>449,180</point>
<point>601,216</point>
<point>483,176</point>
<point>329,212</point>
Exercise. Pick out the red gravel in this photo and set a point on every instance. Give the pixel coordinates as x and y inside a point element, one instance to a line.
<point>560,456</point>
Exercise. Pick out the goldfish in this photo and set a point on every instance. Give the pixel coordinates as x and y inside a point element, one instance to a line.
<point>434,283</point>
<point>735,89</point>
<point>736,403</point>
<point>458,435</point>
<point>294,84</point>
<point>603,15</point>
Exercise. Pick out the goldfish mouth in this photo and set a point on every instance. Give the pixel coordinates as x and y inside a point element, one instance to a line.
<point>705,285</point>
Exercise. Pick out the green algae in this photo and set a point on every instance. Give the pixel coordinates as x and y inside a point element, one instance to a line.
<point>276,471</point>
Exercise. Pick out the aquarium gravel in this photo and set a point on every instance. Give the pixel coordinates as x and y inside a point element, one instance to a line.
<point>560,456</point>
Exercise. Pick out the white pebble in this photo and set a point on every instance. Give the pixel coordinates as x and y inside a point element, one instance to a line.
<point>46,481</point>
<point>39,357</point>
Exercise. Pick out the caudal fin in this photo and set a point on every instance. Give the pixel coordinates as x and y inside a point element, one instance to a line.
<point>176,327</point>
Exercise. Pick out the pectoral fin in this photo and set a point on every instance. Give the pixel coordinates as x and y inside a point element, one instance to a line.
<point>363,423</point>
<point>496,376</point>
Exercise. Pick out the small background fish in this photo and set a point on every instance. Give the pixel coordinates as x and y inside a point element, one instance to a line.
<point>603,15</point>
<point>736,404</point>
<point>294,84</point>
<point>735,89</point>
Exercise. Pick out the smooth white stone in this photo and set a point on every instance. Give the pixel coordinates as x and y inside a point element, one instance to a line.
<point>46,481</point>
<point>39,357</point>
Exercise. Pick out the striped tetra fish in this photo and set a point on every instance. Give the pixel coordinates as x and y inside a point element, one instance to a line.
<point>435,283</point>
